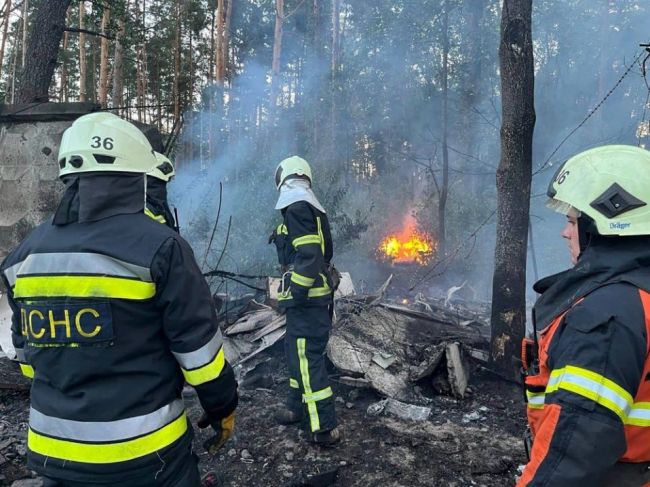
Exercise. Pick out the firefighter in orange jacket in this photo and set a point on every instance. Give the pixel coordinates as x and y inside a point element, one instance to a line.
<point>587,366</point>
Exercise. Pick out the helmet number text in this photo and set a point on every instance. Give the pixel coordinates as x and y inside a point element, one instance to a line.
<point>562,176</point>
<point>106,143</point>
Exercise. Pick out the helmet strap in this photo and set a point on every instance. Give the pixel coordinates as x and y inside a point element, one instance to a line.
<point>586,231</point>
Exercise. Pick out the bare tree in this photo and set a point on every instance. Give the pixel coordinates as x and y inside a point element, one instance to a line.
<point>42,51</point>
<point>444,186</point>
<point>177,64</point>
<point>63,93</point>
<point>83,66</point>
<point>25,24</point>
<point>513,184</point>
<point>118,67</point>
<point>5,28</point>
<point>103,65</point>
<point>277,51</point>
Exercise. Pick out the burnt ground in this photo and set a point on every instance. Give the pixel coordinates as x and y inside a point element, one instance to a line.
<point>474,441</point>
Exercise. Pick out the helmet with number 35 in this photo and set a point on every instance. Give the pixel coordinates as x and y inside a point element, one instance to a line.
<point>609,184</point>
<point>103,142</point>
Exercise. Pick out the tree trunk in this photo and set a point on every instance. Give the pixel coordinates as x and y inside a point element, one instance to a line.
<point>43,49</point>
<point>220,71</point>
<point>25,26</point>
<point>177,64</point>
<point>4,32</point>
<point>444,186</point>
<point>513,185</point>
<point>225,58</point>
<point>63,94</point>
<point>277,52</point>
<point>103,65</point>
<point>118,68</point>
<point>82,53</point>
<point>334,67</point>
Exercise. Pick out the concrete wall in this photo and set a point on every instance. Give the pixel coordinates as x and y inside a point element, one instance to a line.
<point>29,185</point>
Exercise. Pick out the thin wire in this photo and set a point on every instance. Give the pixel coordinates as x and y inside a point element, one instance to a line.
<point>590,114</point>
<point>647,98</point>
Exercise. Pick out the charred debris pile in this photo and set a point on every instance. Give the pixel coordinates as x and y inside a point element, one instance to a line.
<point>408,351</point>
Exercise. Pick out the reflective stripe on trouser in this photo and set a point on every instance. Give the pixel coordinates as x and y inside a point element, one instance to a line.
<point>306,361</point>
<point>106,441</point>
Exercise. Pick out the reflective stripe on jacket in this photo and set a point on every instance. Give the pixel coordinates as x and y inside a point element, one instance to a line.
<point>588,404</point>
<point>304,245</point>
<point>111,317</point>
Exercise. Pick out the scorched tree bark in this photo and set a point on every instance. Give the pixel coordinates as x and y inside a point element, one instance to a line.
<point>513,184</point>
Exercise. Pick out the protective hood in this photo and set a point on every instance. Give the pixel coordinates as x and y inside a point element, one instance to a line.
<point>94,196</point>
<point>157,201</point>
<point>294,190</point>
<point>605,261</point>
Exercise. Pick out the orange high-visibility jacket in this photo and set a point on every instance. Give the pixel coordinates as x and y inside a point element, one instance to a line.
<point>588,391</point>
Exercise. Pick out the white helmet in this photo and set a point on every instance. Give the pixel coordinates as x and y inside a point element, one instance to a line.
<point>610,184</point>
<point>103,142</point>
<point>164,169</point>
<point>292,166</point>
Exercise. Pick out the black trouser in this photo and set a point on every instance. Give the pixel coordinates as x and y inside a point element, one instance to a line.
<point>183,473</point>
<point>307,334</point>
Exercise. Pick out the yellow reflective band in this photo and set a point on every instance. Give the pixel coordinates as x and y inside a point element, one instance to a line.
<point>293,383</point>
<point>208,372</point>
<point>282,229</point>
<point>314,420</point>
<point>107,452</point>
<point>592,386</point>
<point>27,370</point>
<point>639,415</point>
<point>83,287</point>
<point>318,292</point>
<point>318,395</point>
<point>535,399</point>
<point>320,235</point>
<point>153,216</point>
<point>305,240</point>
<point>302,280</point>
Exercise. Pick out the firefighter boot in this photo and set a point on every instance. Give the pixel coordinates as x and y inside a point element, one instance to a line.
<point>327,438</point>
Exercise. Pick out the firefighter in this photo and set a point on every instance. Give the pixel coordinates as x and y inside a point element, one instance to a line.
<point>111,316</point>
<point>587,366</point>
<point>304,246</point>
<point>157,204</point>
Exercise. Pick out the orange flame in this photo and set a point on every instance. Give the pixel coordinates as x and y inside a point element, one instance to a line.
<point>409,245</point>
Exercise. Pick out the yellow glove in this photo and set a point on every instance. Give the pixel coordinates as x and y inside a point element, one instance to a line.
<point>223,428</point>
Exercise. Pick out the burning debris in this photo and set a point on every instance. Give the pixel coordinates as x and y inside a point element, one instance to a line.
<point>409,245</point>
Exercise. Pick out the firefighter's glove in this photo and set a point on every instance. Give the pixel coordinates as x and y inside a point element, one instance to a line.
<point>223,429</point>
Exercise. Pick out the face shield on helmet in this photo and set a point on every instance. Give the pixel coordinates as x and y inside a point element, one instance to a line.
<point>292,167</point>
<point>103,142</point>
<point>610,185</point>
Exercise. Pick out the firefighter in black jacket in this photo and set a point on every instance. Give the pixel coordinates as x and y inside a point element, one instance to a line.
<point>157,204</point>
<point>304,245</point>
<point>587,369</point>
<point>111,317</point>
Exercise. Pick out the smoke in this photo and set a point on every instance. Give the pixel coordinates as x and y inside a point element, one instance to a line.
<point>373,131</point>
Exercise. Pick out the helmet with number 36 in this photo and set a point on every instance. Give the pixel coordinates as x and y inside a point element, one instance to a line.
<point>609,184</point>
<point>103,142</point>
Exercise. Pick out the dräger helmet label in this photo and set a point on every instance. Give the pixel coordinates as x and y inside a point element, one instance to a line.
<point>619,226</point>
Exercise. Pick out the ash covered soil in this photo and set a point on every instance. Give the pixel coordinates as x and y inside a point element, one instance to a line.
<point>474,441</point>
